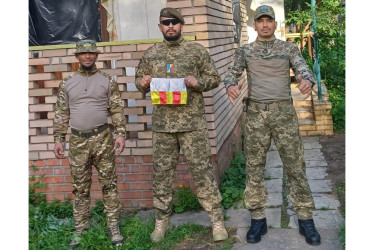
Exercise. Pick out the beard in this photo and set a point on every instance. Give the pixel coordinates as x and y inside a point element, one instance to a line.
<point>87,68</point>
<point>172,38</point>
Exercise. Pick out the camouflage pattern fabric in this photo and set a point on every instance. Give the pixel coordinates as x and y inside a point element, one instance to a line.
<point>182,58</point>
<point>282,126</point>
<point>62,112</point>
<point>97,151</point>
<point>258,50</point>
<point>196,148</point>
<point>86,46</point>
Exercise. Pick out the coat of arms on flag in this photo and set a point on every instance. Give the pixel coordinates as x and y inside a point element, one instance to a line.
<point>168,91</point>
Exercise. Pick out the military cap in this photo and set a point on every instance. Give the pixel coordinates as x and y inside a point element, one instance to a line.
<point>264,10</point>
<point>172,13</point>
<point>85,46</point>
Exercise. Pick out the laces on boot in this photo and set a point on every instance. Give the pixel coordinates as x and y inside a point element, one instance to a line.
<point>115,234</point>
<point>219,231</point>
<point>161,226</point>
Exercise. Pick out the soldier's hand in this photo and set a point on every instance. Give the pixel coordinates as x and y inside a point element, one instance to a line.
<point>119,145</point>
<point>305,86</point>
<point>146,81</point>
<point>59,150</point>
<point>191,82</point>
<point>234,92</point>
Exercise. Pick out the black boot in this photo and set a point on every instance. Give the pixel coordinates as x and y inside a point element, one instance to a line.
<point>258,228</point>
<point>309,231</point>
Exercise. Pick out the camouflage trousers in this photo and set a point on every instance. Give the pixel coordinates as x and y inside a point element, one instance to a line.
<point>98,150</point>
<point>282,126</point>
<point>196,149</point>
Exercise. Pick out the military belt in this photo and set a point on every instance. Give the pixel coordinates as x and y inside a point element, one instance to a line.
<point>89,133</point>
<point>268,106</point>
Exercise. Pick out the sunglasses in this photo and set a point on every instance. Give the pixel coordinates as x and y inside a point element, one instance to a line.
<point>168,21</point>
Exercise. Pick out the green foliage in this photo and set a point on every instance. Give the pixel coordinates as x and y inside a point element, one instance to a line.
<point>233,181</point>
<point>331,48</point>
<point>185,200</point>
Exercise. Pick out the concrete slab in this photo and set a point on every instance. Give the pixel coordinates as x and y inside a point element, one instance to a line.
<point>274,185</point>
<point>275,199</point>
<point>320,186</point>
<point>323,219</point>
<point>316,173</point>
<point>287,239</point>
<point>324,200</point>
<point>274,173</point>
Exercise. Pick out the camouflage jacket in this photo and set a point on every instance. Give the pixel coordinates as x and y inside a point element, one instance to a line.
<point>111,98</point>
<point>267,65</point>
<point>187,58</point>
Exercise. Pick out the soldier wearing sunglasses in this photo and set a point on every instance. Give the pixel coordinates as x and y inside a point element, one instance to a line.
<point>182,127</point>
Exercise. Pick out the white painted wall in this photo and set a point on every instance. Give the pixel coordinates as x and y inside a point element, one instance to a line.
<point>278,6</point>
<point>137,19</point>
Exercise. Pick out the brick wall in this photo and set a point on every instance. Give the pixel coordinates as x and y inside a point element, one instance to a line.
<point>208,23</point>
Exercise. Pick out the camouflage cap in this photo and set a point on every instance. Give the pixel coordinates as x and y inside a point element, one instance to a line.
<point>264,10</point>
<point>85,46</point>
<point>173,13</point>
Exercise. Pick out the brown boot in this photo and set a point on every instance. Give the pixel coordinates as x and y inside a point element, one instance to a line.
<point>161,227</point>
<point>77,235</point>
<point>219,231</point>
<point>115,234</point>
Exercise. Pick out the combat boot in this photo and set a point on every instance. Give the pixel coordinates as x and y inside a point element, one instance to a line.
<point>77,235</point>
<point>114,234</point>
<point>219,231</point>
<point>309,231</point>
<point>161,226</point>
<point>258,228</point>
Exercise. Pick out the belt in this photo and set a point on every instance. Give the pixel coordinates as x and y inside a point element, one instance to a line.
<point>268,106</point>
<point>89,133</point>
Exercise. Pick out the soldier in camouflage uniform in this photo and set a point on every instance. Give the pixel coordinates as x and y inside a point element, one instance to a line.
<point>86,99</point>
<point>183,127</point>
<point>270,113</point>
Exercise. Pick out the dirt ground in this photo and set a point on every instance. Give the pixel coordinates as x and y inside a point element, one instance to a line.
<point>333,148</point>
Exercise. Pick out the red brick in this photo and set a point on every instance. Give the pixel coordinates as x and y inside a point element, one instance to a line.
<point>61,171</point>
<point>96,187</point>
<point>40,163</point>
<point>126,203</point>
<point>51,197</point>
<point>53,179</point>
<point>142,47</point>
<point>137,177</point>
<point>130,195</point>
<point>96,195</point>
<point>113,56</point>
<point>123,48</point>
<point>179,4</point>
<point>148,159</point>
<point>52,53</point>
<point>181,177</point>
<point>47,189</point>
<point>129,159</point>
<point>123,169</point>
<point>64,162</point>
<point>146,203</point>
<point>141,169</point>
<point>63,188</point>
<point>38,61</point>
<point>182,167</point>
<point>41,171</point>
<point>123,186</point>
<point>141,186</point>
<point>147,195</point>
